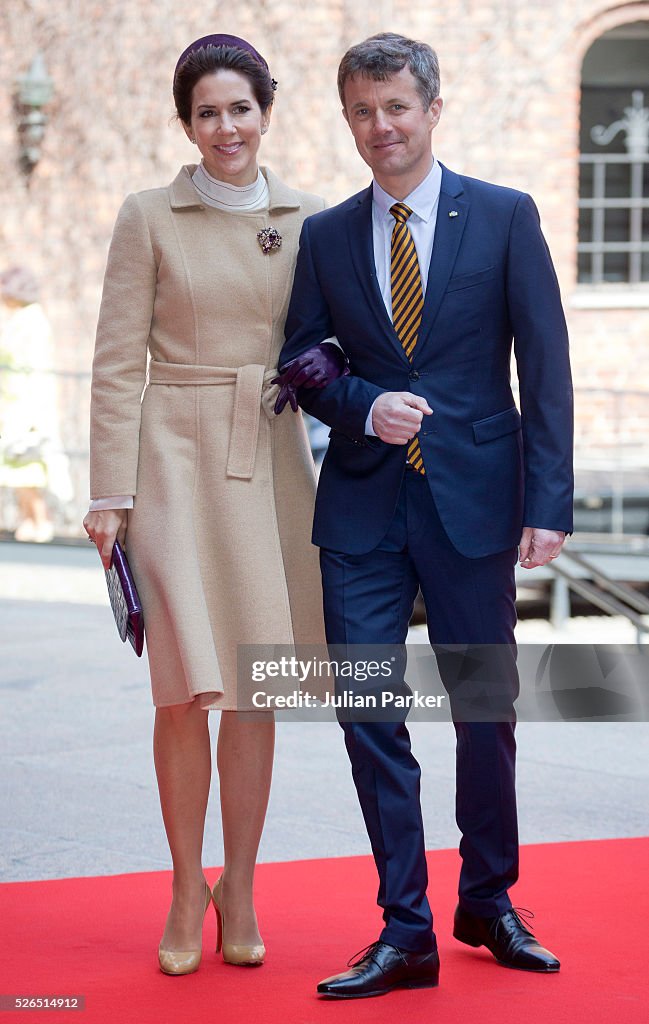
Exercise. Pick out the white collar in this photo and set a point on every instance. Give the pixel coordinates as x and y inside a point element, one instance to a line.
<point>422,200</point>
<point>230,197</point>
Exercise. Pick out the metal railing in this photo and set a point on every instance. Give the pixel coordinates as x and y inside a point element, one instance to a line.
<point>599,588</point>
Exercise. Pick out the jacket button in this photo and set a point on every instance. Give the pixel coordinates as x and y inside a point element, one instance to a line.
<point>413,375</point>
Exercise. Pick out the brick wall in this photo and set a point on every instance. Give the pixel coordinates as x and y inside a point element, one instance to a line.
<point>510,79</point>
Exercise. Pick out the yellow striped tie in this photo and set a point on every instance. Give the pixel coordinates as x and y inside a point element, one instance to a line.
<point>407,299</point>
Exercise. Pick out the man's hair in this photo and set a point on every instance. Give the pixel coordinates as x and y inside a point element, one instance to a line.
<point>386,54</point>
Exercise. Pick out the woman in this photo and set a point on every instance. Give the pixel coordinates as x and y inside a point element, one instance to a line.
<point>32,462</point>
<point>218,531</point>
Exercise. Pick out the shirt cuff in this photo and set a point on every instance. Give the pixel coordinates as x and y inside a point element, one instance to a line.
<point>369,429</point>
<point>101,504</point>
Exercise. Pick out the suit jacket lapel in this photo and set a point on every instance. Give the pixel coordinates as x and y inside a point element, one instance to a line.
<point>452,214</point>
<point>359,229</point>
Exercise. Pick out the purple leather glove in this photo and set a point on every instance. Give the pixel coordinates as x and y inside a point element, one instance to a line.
<point>315,368</point>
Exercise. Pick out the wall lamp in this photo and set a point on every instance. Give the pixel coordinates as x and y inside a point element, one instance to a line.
<point>34,90</point>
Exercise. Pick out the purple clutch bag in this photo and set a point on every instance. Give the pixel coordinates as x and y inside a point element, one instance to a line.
<point>124,600</point>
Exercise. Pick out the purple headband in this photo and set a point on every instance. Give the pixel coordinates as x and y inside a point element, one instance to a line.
<point>220,40</point>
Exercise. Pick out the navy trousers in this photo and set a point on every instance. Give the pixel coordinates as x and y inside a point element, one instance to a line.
<point>368,599</point>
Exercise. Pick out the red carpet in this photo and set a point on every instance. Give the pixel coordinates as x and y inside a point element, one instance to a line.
<point>97,937</point>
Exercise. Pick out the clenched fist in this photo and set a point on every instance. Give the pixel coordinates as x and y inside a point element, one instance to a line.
<point>397,416</point>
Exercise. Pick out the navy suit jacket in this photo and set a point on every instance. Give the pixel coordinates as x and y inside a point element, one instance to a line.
<point>491,283</point>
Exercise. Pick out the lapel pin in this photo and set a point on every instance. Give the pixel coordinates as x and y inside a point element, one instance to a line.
<point>453,213</point>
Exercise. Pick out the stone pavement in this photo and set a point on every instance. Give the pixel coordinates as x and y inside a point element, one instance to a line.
<point>78,793</point>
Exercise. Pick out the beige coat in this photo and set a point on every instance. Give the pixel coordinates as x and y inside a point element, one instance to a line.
<point>219,538</point>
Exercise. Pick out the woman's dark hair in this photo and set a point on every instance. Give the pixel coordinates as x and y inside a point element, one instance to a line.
<point>206,61</point>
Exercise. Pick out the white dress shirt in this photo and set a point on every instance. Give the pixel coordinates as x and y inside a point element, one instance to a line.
<point>423,201</point>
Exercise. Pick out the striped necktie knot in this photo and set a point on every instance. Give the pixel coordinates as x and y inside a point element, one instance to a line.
<point>400,212</point>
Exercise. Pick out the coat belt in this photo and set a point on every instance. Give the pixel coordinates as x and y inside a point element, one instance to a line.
<point>252,390</point>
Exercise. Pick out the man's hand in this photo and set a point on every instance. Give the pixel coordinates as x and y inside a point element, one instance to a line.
<point>397,416</point>
<point>538,547</point>
<point>103,528</point>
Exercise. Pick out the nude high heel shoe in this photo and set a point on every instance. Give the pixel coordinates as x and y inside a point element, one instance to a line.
<point>234,953</point>
<point>173,961</point>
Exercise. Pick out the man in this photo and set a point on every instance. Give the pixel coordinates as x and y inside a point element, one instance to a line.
<point>432,478</point>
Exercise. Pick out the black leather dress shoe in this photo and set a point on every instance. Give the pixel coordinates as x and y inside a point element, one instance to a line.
<point>512,944</point>
<point>380,968</point>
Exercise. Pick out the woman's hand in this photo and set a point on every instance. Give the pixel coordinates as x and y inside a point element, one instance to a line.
<point>315,368</point>
<point>104,528</point>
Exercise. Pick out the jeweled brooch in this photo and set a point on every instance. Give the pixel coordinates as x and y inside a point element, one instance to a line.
<point>269,239</point>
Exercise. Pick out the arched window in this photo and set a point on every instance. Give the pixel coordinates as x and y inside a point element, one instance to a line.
<point>614,158</point>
